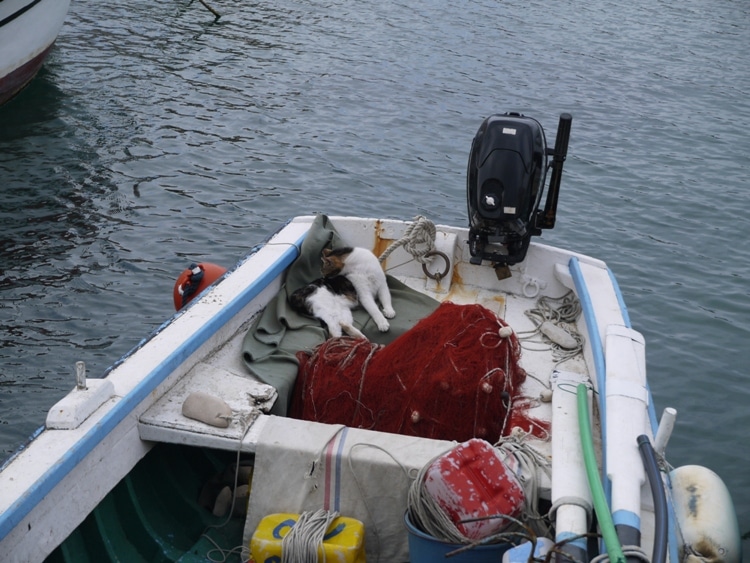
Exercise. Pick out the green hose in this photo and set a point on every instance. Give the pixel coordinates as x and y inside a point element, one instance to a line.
<point>607,526</point>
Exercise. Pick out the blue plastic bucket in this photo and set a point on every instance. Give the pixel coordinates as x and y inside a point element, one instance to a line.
<point>424,548</point>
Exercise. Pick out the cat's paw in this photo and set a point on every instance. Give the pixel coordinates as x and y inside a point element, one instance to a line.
<point>352,331</point>
<point>334,332</point>
<point>383,326</point>
<point>389,313</point>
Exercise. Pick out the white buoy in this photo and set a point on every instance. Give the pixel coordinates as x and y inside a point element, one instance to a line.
<point>706,517</point>
<point>558,335</point>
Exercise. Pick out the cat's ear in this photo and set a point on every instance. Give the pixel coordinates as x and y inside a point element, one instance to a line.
<point>326,252</point>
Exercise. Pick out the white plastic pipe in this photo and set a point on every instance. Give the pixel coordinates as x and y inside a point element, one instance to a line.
<point>666,425</point>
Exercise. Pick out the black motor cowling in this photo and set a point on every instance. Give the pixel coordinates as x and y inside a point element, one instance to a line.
<point>505,181</point>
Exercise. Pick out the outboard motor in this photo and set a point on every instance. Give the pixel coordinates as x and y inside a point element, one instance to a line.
<point>505,182</point>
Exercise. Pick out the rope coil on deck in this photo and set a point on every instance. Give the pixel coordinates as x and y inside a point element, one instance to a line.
<point>531,462</point>
<point>301,544</point>
<point>426,514</point>
<point>418,240</point>
<point>555,315</point>
<point>629,551</point>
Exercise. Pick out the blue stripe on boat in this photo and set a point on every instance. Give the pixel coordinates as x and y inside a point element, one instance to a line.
<point>566,538</point>
<point>626,518</point>
<point>626,318</point>
<point>597,350</point>
<point>597,347</point>
<point>586,304</point>
<point>620,300</point>
<point>339,459</point>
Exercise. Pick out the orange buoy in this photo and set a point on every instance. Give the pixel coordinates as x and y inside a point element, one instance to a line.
<point>194,280</point>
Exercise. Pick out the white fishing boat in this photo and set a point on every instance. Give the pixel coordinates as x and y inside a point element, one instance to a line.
<point>505,415</point>
<point>28,29</point>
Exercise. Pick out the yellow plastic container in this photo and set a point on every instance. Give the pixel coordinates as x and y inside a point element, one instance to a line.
<point>344,541</point>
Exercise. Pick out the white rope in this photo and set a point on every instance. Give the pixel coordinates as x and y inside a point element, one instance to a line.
<point>426,514</point>
<point>629,551</point>
<point>243,550</point>
<point>418,240</point>
<point>301,544</point>
<point>562,312</point>
<point>531,462</point>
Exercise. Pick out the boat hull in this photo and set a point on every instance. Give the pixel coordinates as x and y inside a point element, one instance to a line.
<point>28,29</point>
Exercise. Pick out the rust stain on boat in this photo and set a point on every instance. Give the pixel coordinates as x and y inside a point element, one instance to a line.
<point>381,244</point>
<point>462,293</point>
<point>456,280</point>
<point>499,299</point>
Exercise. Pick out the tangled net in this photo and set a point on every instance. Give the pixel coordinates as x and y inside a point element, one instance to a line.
<point>453,376</point>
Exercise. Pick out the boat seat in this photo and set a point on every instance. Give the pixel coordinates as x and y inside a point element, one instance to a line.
<point>247,398</point>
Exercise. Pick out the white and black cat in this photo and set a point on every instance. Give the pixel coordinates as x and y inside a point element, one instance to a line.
<point>331,300</point>
<point>362,268</point>
<point>351,276</point>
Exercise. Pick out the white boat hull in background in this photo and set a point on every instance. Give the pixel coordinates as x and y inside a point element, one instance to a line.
<point>28,29</point>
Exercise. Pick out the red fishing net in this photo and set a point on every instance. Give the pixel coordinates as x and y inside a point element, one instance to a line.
<point>451,377</point>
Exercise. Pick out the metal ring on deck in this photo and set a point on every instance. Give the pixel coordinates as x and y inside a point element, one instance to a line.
<point>535,288</point>
<point>441,275</point>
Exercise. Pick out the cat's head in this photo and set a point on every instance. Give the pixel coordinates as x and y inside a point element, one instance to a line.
<point>333,261</point>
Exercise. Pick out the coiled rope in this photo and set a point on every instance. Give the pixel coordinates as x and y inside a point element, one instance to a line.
<point>629,551</point>
<point>562,312</point>
<point>531,461</point>
<point>426,514</point>
<point>418,240</point>
<point>301,544</point>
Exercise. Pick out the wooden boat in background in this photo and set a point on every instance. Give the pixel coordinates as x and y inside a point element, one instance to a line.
<point>127,468</point>
<point>28,29</point>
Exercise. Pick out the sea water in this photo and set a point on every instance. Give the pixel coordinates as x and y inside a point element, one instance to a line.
<point>157,135</point>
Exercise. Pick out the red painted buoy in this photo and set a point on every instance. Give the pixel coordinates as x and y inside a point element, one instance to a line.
<point>194,280</point>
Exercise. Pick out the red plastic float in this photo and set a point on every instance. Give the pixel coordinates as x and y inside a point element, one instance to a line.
<point>472,481</point>
<point>193,280</point>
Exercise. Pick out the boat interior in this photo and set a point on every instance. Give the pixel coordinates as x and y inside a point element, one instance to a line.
<point>166,508</point>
